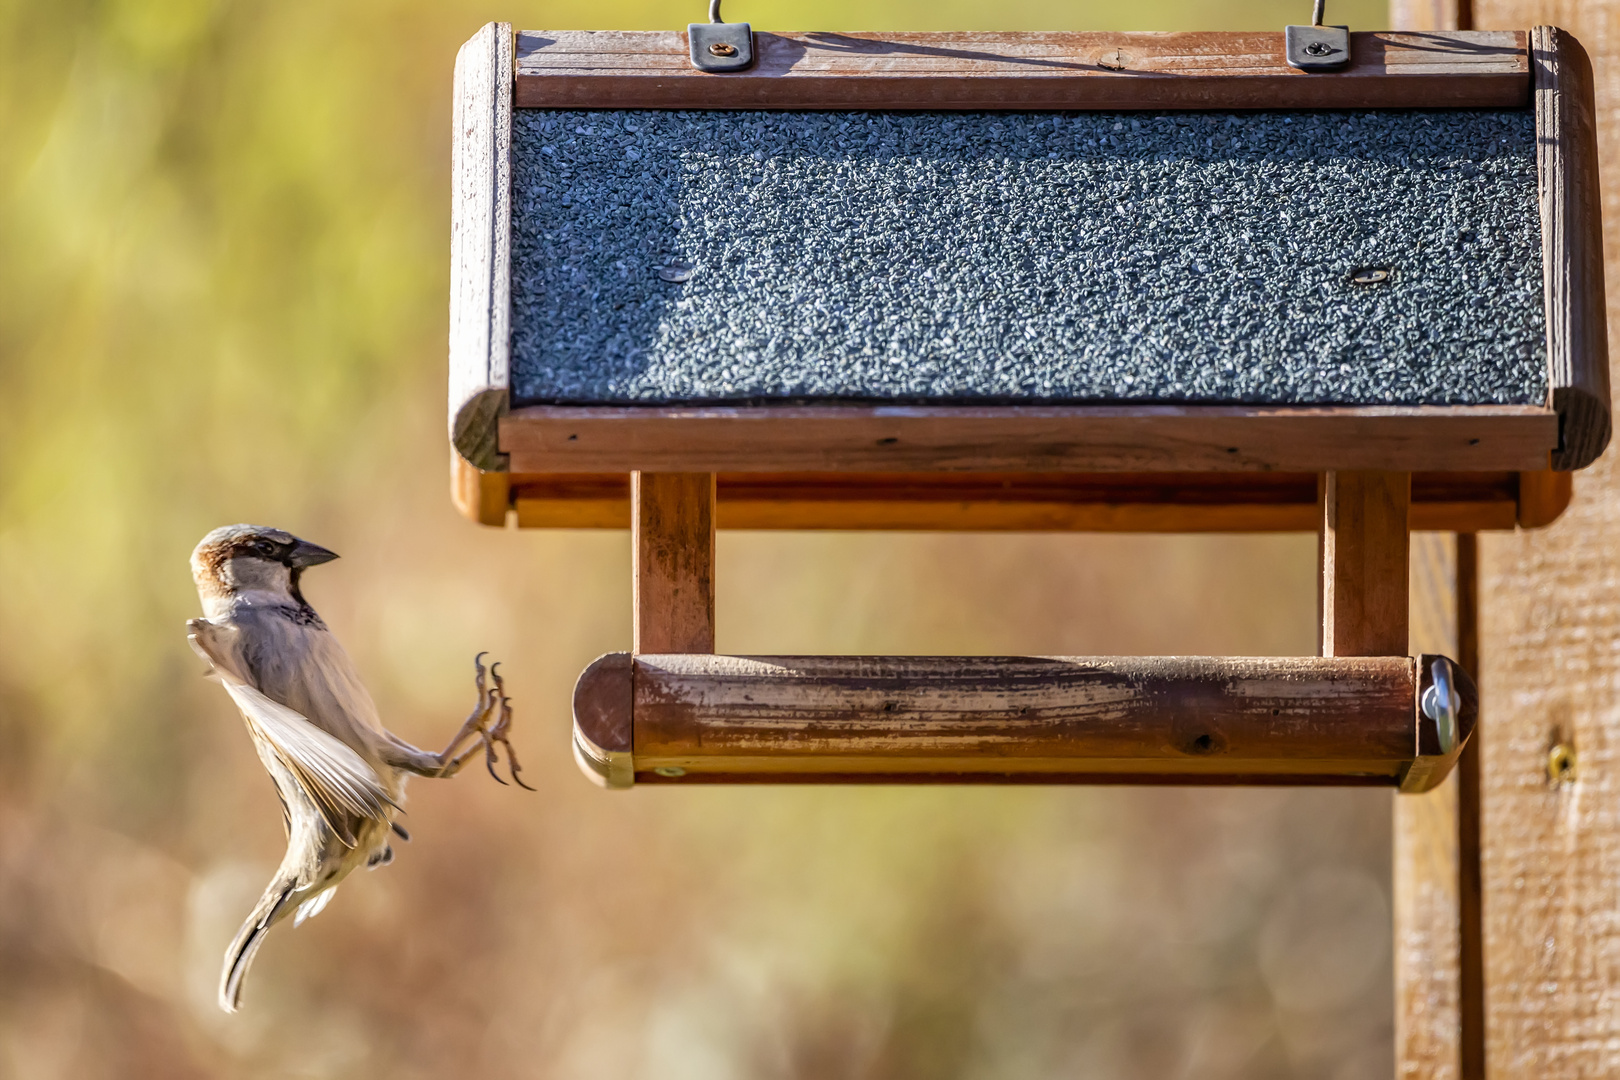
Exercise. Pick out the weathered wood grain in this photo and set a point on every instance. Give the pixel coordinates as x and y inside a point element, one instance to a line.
<point>1145,438</point>
<point>1550,616</point>
<point>1572,245</point>
<point>1425,870</point>
<point>1365,535</point>
<point>1027,502</point>
<point>672,540</point>
<point>480,244</point>
<point>989,70</point>
<point>1022,719</point>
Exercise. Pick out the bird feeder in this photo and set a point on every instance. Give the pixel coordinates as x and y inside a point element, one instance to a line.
<point>1071,281</point>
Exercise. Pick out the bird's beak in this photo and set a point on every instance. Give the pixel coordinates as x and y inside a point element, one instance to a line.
<point>305,554</point>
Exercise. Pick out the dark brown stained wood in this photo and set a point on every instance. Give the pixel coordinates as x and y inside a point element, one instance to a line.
<point>990,70</point>
<point>480,243</point>
<point>1025,502</point>
<point>1470,881</point>
<point>835,719</point>
<point>1365,535</point>
<point>1572,245</point>
<point>1145,438</point>
<point>672,540</point>
<point>1543,497</point>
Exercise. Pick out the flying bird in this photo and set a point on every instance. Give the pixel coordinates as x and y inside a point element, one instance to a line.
<point>340,774</point>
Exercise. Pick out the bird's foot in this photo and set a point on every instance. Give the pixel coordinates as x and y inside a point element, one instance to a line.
<point>497,732</point>
<point>490,722</point>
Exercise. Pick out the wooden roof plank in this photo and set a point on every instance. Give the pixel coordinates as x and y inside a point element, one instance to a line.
<point>1055,70</point>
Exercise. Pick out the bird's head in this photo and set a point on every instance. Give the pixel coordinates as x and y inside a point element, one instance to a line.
<point>242,558</point>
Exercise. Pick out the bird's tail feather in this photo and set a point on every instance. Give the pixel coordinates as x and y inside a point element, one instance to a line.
<point>239,957</point>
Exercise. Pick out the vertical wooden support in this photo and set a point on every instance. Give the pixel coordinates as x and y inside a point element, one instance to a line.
<point>1439,945</point>
<point>1470,891</point>
<point>1365,518</point>
<point>672,536</point>
<point>1428,939</point>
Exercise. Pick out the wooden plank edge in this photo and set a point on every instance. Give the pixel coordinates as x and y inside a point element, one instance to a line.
<point>483,497</point>
<point>551,512</point>
<point>1026,438</point>
<point>1225,502</point>
<point>1031,778</point>
<point>1544,495</point>
<point>1572,246</point>
<point>1041,70</point>
<point>480,245</point>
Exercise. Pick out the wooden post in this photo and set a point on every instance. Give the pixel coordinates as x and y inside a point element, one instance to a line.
<point>1365,517</point>
<point>672,536</point>
<point>1431,867</point>
<point>1470,891</point>
<point>1538,953</point>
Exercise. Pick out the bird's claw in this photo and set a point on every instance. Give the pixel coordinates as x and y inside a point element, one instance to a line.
<point>498,703</point>
<point>498,732</point>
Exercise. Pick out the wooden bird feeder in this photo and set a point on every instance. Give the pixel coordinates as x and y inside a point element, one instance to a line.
<point>1055,281</point>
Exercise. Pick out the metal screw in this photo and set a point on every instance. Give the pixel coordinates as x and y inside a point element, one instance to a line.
<point>1318,48</point>
<point>1560,765</point>
<point>720,48</point>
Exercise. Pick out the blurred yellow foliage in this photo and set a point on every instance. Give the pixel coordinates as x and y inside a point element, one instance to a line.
<point>223,291</point>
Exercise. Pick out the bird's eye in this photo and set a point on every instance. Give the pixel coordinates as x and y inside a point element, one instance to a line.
<point>264,547</point>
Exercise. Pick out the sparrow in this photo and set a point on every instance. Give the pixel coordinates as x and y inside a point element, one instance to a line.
<point>339,773</point>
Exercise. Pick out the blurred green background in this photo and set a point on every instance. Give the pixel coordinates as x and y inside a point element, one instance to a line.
<point>223,292</point>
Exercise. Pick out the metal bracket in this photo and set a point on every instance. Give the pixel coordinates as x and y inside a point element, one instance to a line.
<point>1442,703</point>
<point>720,46</point>
<point>1317,47</point>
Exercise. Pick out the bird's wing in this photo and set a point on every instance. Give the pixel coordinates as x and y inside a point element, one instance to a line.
<point>338,781</point>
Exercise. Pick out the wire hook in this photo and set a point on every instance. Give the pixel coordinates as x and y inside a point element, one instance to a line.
<point>1317,12</point>
<point>714,10</point>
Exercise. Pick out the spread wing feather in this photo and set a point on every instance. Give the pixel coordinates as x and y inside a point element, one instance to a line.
<point>338,781</point>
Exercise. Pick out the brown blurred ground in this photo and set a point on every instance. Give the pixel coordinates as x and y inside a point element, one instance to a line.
<point>223,251</point>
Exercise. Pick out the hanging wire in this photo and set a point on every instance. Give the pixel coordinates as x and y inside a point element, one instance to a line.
<point>1316,10</point>
<point>714,10</point>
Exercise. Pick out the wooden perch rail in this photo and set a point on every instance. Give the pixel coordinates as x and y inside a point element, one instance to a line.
<point>698,718</point>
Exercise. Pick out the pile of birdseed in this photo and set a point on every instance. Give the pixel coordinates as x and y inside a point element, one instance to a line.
<point>1303,257</point>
